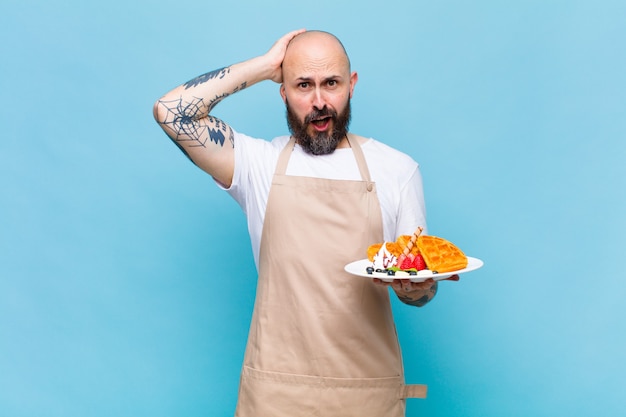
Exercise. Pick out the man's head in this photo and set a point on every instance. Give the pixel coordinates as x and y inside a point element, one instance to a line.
<point>317,88</point>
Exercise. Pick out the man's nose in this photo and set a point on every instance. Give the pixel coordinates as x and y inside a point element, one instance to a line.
<point>319,100</point>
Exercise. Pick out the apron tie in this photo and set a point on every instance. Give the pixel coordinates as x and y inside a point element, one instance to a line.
<point>413,391</point>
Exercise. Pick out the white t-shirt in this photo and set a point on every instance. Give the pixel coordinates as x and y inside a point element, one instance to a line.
<point>397,177</point>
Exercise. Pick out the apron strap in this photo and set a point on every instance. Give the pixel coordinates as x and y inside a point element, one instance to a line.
<point>360,159</point>
<point>413,391</point>
<point>283,159</point>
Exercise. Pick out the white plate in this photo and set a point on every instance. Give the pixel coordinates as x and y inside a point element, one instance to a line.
<point>359,268</point>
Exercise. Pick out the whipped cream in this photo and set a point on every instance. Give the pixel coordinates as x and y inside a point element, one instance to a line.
<point>383,258</point>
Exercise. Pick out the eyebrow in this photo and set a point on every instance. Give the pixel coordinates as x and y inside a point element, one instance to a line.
<point>332,77</point>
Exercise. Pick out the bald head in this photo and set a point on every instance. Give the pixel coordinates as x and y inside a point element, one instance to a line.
<point>315,49</point>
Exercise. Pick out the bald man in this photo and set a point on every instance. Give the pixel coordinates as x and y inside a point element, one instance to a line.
<point>321,342</point>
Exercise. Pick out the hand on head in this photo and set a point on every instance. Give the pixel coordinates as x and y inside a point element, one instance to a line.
<point>276,54</point>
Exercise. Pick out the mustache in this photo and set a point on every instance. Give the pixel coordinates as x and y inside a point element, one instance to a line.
<point>320,114</point>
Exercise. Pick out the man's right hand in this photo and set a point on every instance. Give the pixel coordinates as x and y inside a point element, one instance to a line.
<point>276,55</point>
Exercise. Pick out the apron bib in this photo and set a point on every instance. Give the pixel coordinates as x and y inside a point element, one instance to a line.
<point>322,342</point>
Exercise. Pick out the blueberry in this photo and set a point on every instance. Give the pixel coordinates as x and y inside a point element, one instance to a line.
<point>369,270</point>
<point>391,272</point>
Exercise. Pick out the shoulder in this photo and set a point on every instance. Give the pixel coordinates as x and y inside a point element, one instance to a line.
<point>244,140</point>
<point>255,159</point>
<point>389,159</point>
<point>255,151</point>
<point>278,143</point>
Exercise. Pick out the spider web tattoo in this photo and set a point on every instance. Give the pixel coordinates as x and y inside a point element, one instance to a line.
<point>181,119</point>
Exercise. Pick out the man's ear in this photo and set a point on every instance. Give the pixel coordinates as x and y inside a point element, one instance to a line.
<point>283,94</point>
<point>354,77</point>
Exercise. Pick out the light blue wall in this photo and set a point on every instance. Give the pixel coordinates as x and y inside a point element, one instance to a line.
<point>126,278</point>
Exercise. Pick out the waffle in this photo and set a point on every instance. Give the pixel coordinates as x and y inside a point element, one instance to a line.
<point>404,240</point>
<point>441,255</point>
<point>392,247</point>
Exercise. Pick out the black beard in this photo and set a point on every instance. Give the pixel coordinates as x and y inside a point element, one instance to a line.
<point>321,143</point>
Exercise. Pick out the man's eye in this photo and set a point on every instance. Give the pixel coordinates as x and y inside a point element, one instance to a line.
<point>303,85</point>
<point>332,83</point>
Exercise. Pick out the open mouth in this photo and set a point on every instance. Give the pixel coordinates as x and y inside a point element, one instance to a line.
<point>321,123</point>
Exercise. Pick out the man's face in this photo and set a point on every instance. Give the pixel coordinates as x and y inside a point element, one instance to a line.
<point>317,87</point>
<point>321,141</point>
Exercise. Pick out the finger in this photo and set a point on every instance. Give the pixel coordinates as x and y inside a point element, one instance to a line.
<point>289,36</point>
<point>422,286</point>
<point>406,285</point>
<point>280,45</point>
<point>453,278</point>
<point>379,281</point>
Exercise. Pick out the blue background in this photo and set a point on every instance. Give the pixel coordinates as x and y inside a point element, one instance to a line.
<point>126,276</point>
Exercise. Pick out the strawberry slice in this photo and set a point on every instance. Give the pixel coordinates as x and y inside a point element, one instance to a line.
<point>419,262</point>
<point>407,262</point>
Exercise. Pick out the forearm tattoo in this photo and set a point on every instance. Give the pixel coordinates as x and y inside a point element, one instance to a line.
<point>201,79</point>
<point>189,121</point>
<point>421,301</point>
<point>182,119</point>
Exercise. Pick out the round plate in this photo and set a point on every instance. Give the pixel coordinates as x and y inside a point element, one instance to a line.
<point>359,268</point>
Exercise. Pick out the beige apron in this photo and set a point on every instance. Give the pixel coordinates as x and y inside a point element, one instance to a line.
<point>322,342</point>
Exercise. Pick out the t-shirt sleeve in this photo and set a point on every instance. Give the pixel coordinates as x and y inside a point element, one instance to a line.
<point>251,176</point>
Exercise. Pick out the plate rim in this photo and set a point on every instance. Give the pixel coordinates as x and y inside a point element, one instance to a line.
<point>473,264</point>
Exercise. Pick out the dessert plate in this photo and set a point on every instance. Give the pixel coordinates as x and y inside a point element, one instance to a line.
<point>359,268</point>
